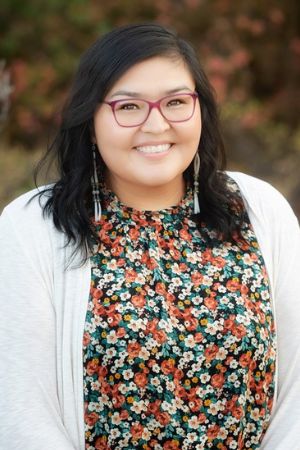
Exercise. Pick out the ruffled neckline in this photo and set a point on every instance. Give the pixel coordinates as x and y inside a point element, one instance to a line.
<point>111,204</point>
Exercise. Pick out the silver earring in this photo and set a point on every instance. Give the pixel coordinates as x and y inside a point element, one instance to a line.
<point>95,187</point>
<point>196,183</point>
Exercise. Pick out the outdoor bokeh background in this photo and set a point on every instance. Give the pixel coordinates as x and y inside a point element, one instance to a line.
<point>249,48</point>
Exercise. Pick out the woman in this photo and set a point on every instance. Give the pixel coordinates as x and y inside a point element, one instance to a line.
<point>148,298</point>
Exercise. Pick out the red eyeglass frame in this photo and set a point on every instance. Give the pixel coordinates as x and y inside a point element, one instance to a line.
<point>152,105</point>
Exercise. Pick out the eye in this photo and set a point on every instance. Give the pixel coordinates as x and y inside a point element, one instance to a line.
<point>127,106</point>
<point>177,101</point>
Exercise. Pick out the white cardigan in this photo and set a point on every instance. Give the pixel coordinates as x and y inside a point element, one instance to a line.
<point>42,313</point>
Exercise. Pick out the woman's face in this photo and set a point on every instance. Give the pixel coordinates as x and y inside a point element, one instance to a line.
<point>129,152</point>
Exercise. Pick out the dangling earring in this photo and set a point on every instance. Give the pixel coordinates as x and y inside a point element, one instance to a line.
<point>196,183</point>
<point>95,187</point>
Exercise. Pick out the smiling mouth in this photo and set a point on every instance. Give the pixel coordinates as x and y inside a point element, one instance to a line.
<point>161,148</point>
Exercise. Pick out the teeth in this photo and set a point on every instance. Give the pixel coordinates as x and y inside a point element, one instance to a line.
<point>154,148</point>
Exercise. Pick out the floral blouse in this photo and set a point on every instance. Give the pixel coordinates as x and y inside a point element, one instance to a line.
<point>179,341</point>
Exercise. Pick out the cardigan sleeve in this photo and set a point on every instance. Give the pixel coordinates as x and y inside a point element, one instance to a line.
<point>284,234</point>
<point>277,229</point>
<point>30,417</point>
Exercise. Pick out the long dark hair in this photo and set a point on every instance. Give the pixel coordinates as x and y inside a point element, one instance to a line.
<point>69,200</point>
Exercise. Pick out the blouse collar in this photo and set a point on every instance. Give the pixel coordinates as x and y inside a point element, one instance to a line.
<point>111,204</point>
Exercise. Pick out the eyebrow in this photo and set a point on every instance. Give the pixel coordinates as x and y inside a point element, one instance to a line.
<point>136,94</point>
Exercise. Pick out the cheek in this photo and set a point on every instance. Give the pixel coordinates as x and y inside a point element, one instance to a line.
<point>110,137</point>
<point>190,135</point>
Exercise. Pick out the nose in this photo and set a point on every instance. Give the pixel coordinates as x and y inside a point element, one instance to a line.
<point>155,123</point>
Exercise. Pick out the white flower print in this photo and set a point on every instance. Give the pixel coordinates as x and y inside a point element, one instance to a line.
<point>138,407</point>
<point>144,354</point>
<point>155,381</point>
<point>168,346</point>
<point>127,374</point>
<point>193,422</point>
<point>189,341</point>
<point>137,325</point>
<point>124,296</point>
<point>205,377</point>
<point>207,281</point>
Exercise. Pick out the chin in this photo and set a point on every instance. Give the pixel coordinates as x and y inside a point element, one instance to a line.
<point>155,183</point>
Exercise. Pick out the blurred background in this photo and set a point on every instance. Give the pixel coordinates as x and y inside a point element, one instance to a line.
<point>249,48</point>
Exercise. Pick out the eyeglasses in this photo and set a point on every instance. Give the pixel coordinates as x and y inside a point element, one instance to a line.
<point>132,112</point>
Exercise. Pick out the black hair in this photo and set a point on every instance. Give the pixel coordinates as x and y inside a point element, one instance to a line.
<point>70,198</point>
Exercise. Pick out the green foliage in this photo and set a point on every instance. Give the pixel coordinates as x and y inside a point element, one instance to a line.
<point>250,50</point>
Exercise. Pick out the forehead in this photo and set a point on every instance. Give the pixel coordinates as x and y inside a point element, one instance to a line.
<point>153,76</point>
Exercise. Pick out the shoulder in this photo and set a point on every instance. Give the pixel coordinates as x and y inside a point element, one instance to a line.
<point>273,219</point>
<point>29,203</point>
<point>259,195</point>
<point>249,184</point>
<point>27,210</point>
<point>24,219</point>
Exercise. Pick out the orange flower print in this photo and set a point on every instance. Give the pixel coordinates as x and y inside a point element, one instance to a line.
<point>197,278</point>
<point>121,332</point>
<point>202,418</point>
<point>163,418</point>
<point>105,388</point>
<point>96,293</point>
<point>91,418</point>
<point>136,431</point>
<point>170,297</point>
<point>134,234</point>
<point>183,267</point>
<point>210,302</point>
<point>130,275</point>
<point>102,372</point>
<point>175,253</point>
<point>244,289</point>
<point>238,412</point>
<point>114,319</point>
<point>151,264</point>
<point>118,401</point>
<point>233,285</point>
<point>217,380</point>
<point>188,349</point>
<point>101,444</point>
<point>160,288</point>
<point>152,326</point>
<point>245,359</point>
<point>211,352</point>
<point>184,234</point>
<point>218,261</point>
<point>92,367</point>
<point>133,349</point>
<point>168,366</point>
<point>191,323</point>
<point>153,408</point>
<point>171,445</point>
<point>121,262</point>
<point>117,251</point>
<point>178,374</point>
<point>160,336</point>
<point>195,404</point>
<point>140,379</point>
<point>86,338</point>
<point>138,300</point>
<point>207,256</point>
<point>239,331</point>
<point>213,431</point>
<point>198,337</point>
